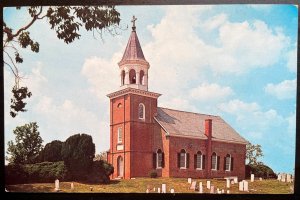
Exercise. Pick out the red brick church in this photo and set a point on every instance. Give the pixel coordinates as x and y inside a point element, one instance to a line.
<point>145,137</point>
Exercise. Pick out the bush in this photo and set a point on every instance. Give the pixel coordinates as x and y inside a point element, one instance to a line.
<point>101,170</point>
<point>37,173</point>
<point>153,174</point>
<point>260,170</point>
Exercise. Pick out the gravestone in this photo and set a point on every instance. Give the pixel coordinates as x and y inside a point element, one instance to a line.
<point>172,190</point>
<point>246,186</point>
<point>232,182</point>
<point>200,188</point>
<point>154,189</point>
<point>223,191</point>
<point>56,185</point>
<point>218,190</point>
<point>235,180</point>
<point>289,178</point>
<point>252,177</point>
<point>228,192</point>
<point>212,189</point>
<point>260,178</point>
<point>208,184</point>
<point>72,186</point>
<point>158,190</point>
<point>189,180</point>
<point>279,177</point>
<point>163,188</point>
<point>147,191</point>
<point>193,186</point>
<point>227,183</point>
<point>241,186</point>
<point>283,177</point>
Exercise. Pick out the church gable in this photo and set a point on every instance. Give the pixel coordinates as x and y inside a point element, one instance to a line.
<point>187,124</point>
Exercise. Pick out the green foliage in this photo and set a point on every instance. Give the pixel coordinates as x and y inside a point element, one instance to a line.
<point>28,144</point>
<point>52,151</point>
<point>260,170</point>
<point>153,174</point>
<point>78,152</point>
<point>253,152</point>
<point>101,170</point>
<point>35,173</point>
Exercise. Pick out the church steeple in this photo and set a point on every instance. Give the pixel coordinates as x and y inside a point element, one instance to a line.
<point>133,65</point>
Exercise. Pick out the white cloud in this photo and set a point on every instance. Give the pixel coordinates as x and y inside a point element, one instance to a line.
<point>283,90</point>
<point>214,22</point>
<point>210,92</point>
<point>292,124</point>
<point>292,60</point>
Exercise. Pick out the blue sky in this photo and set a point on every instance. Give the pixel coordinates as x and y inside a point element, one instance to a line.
<point>236,61</point>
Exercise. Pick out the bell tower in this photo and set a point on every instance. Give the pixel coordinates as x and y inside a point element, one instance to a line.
<point>132,111</point>
<point>133,66</point>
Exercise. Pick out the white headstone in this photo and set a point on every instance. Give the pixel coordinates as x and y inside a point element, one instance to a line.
<point>163,188</point>
<point>189,180</point>
<point>56,184</point>
<point>228,191</point>
<point>154,189</point>
<point>232,182</point>
<point>193,186</point>
<point>283,177</point>
<point>227,183</point>
<point>223,191</point>
<point>200,188</point>
<point>252,177</point>
<point>172,191</point>
<point>279,177</point>
<point>235,180</point>
<point>212,189</point>
<point>158,190</point>
<point>218,190</point>
<point>241,186</point>
<point>72,186</point>
<point>246,186</point>
<point>289,178</point>
<point>208,184</point>
<point>260,178</point>
<point>147,191</point>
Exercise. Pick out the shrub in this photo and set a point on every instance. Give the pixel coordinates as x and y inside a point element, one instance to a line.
<point>39,172</point>
<point>260,170</point>
<point>101,170</point>
<point>153,174</point>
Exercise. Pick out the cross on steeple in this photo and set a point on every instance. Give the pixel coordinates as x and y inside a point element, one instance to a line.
<point>133,22</point>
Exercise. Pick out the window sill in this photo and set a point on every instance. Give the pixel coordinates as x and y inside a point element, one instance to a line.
<point>158,167</point>
<point>214,170</point>
<point>182,168</point>
<point>199,169</point>
<point>227,170</point>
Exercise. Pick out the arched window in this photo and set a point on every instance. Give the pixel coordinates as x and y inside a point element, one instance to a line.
<point>141,111</point>
<point>214,161</point>
<point>228,162</point>
<point>120,138</point>
<point>159,158</point>
<point>122,77</point>
<point>120,167</point>
<point>132,77</point>
<point>142,77</point>
<point>183,159</point>
<point>198,160</point>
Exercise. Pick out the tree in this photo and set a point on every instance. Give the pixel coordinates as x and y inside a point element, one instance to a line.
<point>253,152</point>
<point>78,152</point>
<point>101,156</point>
<point>27,146</point>
<point>66,21</point>
<point>52,151</point>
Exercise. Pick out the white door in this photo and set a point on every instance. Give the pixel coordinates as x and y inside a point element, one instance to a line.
<point>120,166</point>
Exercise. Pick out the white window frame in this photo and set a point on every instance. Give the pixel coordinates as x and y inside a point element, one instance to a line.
<point>143,118</point>
<point>201,159</point>
<point>216,163</point>
<point>229,166</point>
<point>184,159</point>
<point>157,160</point>
<point>120,138</point>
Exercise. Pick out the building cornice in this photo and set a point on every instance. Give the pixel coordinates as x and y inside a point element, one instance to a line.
<point>133,91</point>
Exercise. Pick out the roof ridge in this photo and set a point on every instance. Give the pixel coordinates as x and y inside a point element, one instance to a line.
<point>188,112</point>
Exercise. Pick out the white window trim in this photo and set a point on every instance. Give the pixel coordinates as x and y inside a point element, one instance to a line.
<point>120,133</point>
<point>201,158</point>
<point>229,163</point>
<point>157,167</point>
<point>184,160</point>
<point>216,166</point>
<point>144,110</point>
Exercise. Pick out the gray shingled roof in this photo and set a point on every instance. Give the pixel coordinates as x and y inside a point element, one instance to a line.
<point>181,123</point>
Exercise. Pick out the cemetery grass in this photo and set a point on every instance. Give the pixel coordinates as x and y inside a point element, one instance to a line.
<point>139,185</point>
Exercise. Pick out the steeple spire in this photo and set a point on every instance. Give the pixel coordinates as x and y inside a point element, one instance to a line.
<point>133,23</point>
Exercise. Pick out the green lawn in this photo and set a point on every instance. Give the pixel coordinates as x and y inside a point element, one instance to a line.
<point>139,185</point>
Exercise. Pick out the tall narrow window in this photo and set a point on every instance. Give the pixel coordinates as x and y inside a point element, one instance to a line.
<point>159,159</point>
<point>120,135</point>
<point>132,77</point>
<point>122,77</point>
<point>142,77</point>
<point>182,159</point>
<point>141,111</point>
<point>198,160</point>
<point>227,162</point>
<point>214,161</point>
